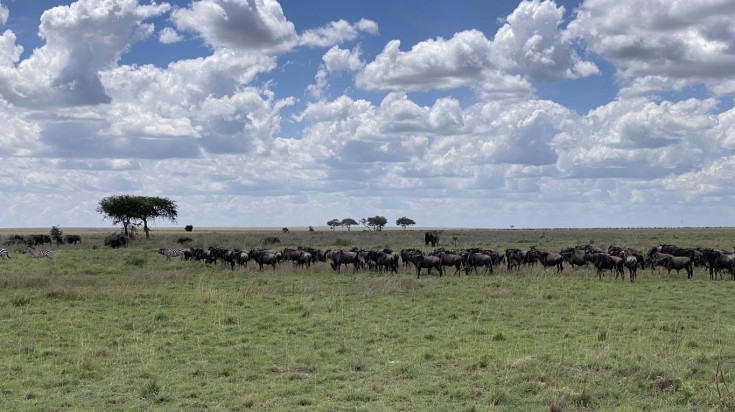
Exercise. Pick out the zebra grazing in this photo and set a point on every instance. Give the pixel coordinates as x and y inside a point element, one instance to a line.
<point>40,253</point>
<point>4,253</point>
<point>169,253</point>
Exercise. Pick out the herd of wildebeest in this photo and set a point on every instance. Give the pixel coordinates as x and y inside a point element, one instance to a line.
<point>614,259</point>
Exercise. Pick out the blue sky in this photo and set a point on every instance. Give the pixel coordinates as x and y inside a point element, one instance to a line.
<point>254,113</point>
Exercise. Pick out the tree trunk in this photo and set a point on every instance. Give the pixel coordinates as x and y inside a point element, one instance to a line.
<point>145,229</point>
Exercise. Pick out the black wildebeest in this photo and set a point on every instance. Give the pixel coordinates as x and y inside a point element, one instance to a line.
<point>575,256</point>
<point>675,262</point>
<point>72,239</point>
<point>514,258</point>
<point>716,260</point>
<point>116,241</point>
<point>340,257</point>
<point>432,237</point>
<point>551,259</point>
<point>603,261</point>
<point>429,262</point>
<point>264,257</point>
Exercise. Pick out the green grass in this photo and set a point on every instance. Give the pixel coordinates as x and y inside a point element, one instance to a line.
<point>102,329</point>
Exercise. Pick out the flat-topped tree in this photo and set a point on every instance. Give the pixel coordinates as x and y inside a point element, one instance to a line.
<point>129,209</point>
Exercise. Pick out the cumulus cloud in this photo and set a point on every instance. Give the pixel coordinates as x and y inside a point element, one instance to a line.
<point>4,14</point>
<point>638,138</point>
<point>81,39</point>
<point>530,42</point>
<point>689,41</point>
<point>431,64</point>
<point>246,25</point>
<point>169,35</point>
<point>336,32</point>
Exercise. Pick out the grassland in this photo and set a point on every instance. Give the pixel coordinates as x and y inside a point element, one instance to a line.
<point>103,329</point>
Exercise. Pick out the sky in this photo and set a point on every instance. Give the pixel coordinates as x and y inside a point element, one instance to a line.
<point>472,114</point>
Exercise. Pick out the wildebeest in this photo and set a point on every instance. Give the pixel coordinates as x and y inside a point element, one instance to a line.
<point>716,260</point>
<point>429,262</point>
<point>514,258</point>
<point>631,262</point>
<point>384,260</point>
<point>603,261</point>
<point>340,257</point>
<point>72,239</point>
<point>183,239</point>
<point>675,262</point>
<point>475,258</point>
<point>264,257</point>
<point>551,259</point>
<point>575,256</point>
<point>116,241</point>
<point>450,259</point>
<point>431,237</point>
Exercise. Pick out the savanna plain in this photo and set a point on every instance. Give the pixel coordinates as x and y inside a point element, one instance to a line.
<point>96,328</point>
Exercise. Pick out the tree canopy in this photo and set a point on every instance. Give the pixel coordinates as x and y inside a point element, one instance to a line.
<point>333,223</point>
<point>128,210</point>
<point>376,223</point>
<point>348,222</point>
<point>404,222</point>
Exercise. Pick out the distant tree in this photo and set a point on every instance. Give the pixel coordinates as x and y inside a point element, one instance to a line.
<point>333,223</point>
<point>404,222</point>
<point>376,223</point>
<point>56,235</point>
<point>284,230</point>
<point>189,228</point>
<point>129,210</point>
<point>348,222</point>
<point>311,228</point>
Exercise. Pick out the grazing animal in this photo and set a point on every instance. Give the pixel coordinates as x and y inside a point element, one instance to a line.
<point>264,257</point>
<point>631,263</point>
<point>116,241</point>
<point>4,253</point>
<point>551,259</point>
<point>474,259</point>
<point>603,261</point>
<point>169,253</point>
<point>514,258</point>
<point>451,259</point>
<point>431,237</point>
<point>575,256</point>
<point>72,239</point>
<point>429,262</point>
<point>40,253</point>
<point>340,257</point>
<point>675,262</point>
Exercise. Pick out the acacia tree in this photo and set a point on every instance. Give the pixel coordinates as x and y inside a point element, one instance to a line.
<point>404,221</point>
<point>348,222</point>
<point>333,223</point>
<point>374,223</point>
<point>129,209</point>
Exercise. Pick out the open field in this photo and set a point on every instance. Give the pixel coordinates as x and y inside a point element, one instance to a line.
<point>103,329</point>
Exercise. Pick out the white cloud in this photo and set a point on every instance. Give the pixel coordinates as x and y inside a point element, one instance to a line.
<point>246,25</point>
<point>431,64</point>
<point>4,14</point>
<point>336,32</point>
<point>639,138</point>
<point>81,39</point>
<point>336,59</point>
<point>168,35</point>
<point>683,41</point>
<point>530,42</point>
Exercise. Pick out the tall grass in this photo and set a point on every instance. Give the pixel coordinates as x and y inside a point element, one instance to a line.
<point>104,329</point>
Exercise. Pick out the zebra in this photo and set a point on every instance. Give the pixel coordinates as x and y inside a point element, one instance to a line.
<point>41,253</point>
<point>169,253</point>
<point>4,253</point>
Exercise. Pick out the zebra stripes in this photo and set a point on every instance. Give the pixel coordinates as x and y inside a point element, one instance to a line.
<point>40,253</point>
<point>4,253</point>
<point>169,253</point>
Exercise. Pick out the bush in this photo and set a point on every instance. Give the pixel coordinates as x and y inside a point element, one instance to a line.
<point>189,228</point>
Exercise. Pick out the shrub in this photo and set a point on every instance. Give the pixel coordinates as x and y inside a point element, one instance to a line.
<point>188,228</point>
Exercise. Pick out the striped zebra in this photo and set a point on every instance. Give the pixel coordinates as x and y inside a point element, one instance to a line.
<point>169,253</point>
<point>40,253</point>
<point>4,253</point>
